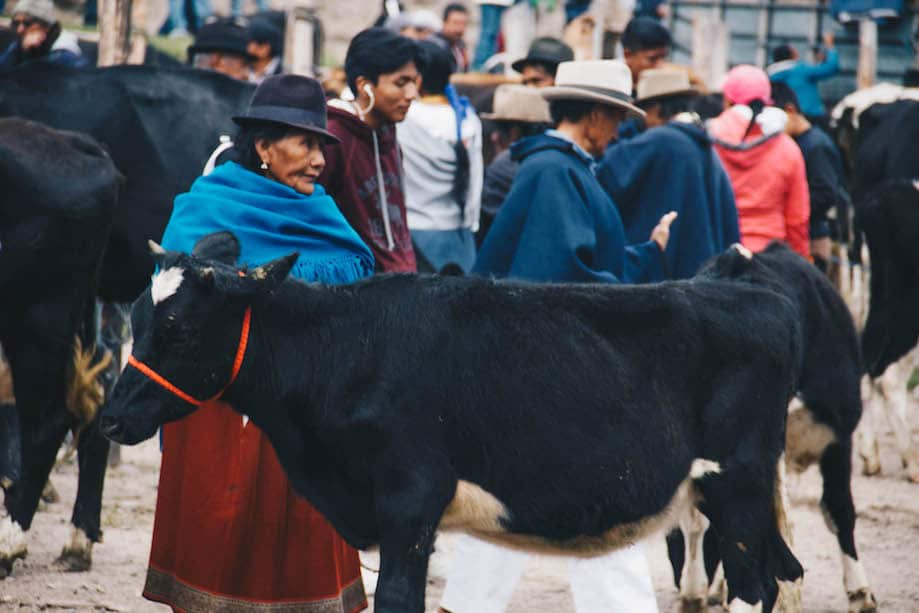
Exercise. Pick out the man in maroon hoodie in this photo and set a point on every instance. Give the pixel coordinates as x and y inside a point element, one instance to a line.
<point>364,172</point>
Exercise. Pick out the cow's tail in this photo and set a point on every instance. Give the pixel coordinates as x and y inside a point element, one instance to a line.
<point>85,392</point>
<point>784,565</point>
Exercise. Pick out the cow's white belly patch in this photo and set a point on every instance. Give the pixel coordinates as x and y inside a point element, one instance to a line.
<point>481,514</point>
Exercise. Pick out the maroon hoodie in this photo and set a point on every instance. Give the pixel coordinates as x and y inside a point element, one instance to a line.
<point>353,175</point>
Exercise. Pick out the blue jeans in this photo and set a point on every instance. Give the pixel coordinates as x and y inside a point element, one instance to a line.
<point>201,8</point>
<point>488,35</point>
<point>442,247</point>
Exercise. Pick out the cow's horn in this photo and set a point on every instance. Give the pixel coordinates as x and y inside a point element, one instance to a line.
<point>155,248</point>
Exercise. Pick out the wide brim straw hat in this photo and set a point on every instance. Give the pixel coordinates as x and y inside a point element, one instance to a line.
<point>290,100</point>
<point>518,103</point>
<point>659,83</point>
<point>606,82</point>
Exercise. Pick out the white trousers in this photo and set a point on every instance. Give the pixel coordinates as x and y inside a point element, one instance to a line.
<point>483,577</point>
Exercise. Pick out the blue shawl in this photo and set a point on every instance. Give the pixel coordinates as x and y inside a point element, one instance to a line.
<point>270,220</point>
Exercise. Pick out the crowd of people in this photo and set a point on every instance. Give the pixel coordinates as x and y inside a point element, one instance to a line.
<point>599,171</point>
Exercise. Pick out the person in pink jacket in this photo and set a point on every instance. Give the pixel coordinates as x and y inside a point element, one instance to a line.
<point>764,164</point>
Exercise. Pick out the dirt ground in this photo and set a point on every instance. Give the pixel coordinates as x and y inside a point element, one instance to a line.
<point>887,536</point>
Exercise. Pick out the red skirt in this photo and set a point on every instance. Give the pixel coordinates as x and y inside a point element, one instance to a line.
<point>231,535</point>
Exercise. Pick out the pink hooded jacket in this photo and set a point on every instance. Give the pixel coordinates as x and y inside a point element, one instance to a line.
<point>769,179</point>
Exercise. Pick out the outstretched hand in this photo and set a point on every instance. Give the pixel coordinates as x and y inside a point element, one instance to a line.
<point>661,232</point>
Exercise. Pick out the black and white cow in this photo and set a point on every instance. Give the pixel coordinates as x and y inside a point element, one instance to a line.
<point>557,417</point>
<point>821,421</point>
<point>877,130</point>
<point>58,195</point>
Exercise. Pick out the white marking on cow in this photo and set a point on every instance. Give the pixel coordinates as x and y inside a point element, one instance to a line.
<point>166,284</point>
<point>693,580</point>
<point>245,420</point>
<point>739,606</point>
<point>853,575</point>
<point>701,467</point>
<point>743,251</point>
<point>805,439</point>
<point>916,184</point>
<point>12,540</point>
<point>479,513</point>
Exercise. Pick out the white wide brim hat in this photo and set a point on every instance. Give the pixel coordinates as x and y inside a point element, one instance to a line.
<point>602,81</point>
<point>657,83</point>
<point>518,103</point>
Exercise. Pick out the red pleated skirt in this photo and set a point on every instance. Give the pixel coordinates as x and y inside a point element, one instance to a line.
<point>231,535</point>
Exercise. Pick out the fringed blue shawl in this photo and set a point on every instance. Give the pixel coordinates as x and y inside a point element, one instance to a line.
<point>270,220</point>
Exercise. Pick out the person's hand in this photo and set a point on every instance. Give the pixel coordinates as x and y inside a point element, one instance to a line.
<point>828,39</point>
<point>661,232</point>
<point>34,37</point>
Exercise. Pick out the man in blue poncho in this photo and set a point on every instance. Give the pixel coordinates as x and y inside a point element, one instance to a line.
<point>672,167</point>
<point>557,224</point>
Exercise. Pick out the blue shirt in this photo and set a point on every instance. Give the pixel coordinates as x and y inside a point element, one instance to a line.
<point>802,78</point>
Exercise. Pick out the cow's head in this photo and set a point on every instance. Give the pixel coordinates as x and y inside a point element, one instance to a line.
<point>187,334</point>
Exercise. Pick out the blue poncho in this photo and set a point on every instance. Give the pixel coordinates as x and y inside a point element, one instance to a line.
<point>270,220</point>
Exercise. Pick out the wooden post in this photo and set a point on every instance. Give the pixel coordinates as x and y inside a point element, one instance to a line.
<point>867,53</point>
<point>709,48</point>
<point>114,32</point>
<point>300,49</point>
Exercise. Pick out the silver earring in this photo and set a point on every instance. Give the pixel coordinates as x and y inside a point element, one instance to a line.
<point>264,166</point>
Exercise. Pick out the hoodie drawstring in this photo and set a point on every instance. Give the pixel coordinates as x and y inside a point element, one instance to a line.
<point>390,243</point>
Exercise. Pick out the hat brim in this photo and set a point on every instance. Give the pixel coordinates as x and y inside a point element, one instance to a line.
<point>248,121</point>
<point>577,93</point>
<point>496,117</point>
<point>682,92</point>
<point>522,63</point>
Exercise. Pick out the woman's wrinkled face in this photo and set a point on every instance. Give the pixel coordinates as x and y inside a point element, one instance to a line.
<point>295,160</point>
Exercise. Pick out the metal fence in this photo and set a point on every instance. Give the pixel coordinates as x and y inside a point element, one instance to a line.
<point>756,28</point>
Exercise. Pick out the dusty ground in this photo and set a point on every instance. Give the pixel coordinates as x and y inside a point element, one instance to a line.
<point>888,537</point>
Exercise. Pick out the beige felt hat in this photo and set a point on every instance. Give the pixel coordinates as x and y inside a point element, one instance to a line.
<point>602,81</point>
<point>518,103</point>
<point>663,82</point>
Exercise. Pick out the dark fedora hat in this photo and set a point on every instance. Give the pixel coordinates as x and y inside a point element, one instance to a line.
<point>546,50</point>
<point>290,100</point>
<point>221,35</point>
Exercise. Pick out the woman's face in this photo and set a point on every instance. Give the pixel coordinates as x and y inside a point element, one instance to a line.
<point>295,160</point>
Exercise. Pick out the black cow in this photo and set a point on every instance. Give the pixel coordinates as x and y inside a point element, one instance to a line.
<point>568,417</point>
<point>58,197</point>
<point>885,169</point>
<point>822,419</point>
<point>159,126</point>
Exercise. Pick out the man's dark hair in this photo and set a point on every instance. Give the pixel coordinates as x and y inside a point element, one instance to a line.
<point>522,128</point>
<point>378,51</point>
<point>782,94</point>
<point>669,105</point>
<point>244,144</point>
<point>571,110</point>
<point>645,33</point>
<point>454,7</point>
<point>782,53</point>
<point>438,66</point>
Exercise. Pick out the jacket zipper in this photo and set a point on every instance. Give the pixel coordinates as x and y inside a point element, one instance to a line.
<point>382,193</point>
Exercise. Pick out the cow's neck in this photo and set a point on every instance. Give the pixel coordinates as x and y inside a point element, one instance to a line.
<point>289,365</point>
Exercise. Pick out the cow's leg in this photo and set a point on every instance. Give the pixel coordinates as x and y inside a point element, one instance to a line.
<point>894,391</point>
<point>92,453</point>
<point>839,514</point>
<point>693,578</point>
<point>409,508</point>
<point>866,435</point>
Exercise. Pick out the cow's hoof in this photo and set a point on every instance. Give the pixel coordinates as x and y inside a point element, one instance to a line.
<point>12,545</point>
<point>871,465</point>
<point>911,465</point>
<point>76,557</point>
<point>75,560</point>
<point>862,601</point>
<point>693,605</point>
<point>49,494</point>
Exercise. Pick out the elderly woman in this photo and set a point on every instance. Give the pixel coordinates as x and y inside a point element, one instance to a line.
<point>229,533</point>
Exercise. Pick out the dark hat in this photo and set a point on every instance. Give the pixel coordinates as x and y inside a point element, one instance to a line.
<point>221,36</point>
<point>546,50</point>
<point>268,28</point>
<point>290,100</point>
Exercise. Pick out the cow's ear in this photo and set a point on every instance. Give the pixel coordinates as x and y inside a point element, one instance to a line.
<point>219,247</point>
<point>270,275</point>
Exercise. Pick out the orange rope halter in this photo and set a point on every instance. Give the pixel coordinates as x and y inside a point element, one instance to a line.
<point>237,364</point>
